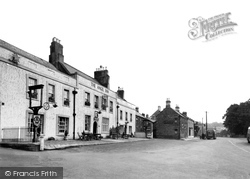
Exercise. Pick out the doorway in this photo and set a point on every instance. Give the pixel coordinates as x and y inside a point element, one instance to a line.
<point>95,127</point>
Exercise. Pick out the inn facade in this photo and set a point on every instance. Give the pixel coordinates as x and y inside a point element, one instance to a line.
<point>77,101</point>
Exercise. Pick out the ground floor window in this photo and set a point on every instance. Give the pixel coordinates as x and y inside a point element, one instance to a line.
<point>105,125</point>
<point>40,128</point>
<point>87,123</point>
<point>63,125</point>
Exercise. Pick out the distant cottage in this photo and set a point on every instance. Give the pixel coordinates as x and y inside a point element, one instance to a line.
<point>171,124</point>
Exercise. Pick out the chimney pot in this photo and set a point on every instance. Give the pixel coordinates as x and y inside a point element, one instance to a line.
<point>168,102</point>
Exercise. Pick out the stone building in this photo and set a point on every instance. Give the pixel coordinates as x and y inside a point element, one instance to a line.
<point>144,125</point>
<point>76,100</point>
<point>172,124</point>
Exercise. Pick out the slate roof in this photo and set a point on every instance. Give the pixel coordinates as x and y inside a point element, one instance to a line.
<point>144,118</point>
<point>156,113</point>
<point>26,54</point>
<point>73,70</point>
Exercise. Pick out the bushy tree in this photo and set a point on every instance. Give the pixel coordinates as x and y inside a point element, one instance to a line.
<point>237,118</point>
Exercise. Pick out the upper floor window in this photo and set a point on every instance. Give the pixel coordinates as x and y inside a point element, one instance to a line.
<point>51,93</point>
<point>131,117</point>
<point>110,106</point>
<point>32,82</point>
<point>104,102</point>
<point>120,114</point>
<point>87,99</point>
<point>96,101</point>
<point>66,97</point>
<point>126,116</point>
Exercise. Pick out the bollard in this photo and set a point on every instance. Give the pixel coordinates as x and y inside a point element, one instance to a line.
<point>41,142</point>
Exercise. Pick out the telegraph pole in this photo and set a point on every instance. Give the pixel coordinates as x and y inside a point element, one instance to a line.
<point>206,121</point>
<point>202,126</point>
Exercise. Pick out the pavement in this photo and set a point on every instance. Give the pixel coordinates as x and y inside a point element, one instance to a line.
<point>63,144</point>
<point>190,138</point>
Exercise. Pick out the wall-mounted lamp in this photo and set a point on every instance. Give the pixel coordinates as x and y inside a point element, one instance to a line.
<point>55,105</point>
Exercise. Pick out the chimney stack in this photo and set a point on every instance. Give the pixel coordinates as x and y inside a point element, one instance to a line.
<point>177,108</point>
<point>184,114</point>
<point>159,108</point>
<point>102,76</point>
<point>120,92</point>
<point>137,109</point>
<point>56,53</point>
<point>168,102</point>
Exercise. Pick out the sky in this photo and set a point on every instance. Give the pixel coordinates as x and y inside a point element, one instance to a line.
<point>145,47</point>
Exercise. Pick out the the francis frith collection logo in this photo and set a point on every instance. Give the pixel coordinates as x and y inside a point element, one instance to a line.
<point>210,28</point>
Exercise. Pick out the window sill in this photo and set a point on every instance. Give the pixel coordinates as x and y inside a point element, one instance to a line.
<point>34,99</point>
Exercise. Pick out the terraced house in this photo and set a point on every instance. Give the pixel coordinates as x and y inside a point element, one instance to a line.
<point>75,101</point>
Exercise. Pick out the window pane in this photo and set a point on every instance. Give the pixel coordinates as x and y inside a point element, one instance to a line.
<point>87,122</point>
<point>51,93</point>
<point>62,124</point>
<point>105,125</point>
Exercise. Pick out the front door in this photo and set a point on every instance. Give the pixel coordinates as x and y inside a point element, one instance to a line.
<point>95,127</point>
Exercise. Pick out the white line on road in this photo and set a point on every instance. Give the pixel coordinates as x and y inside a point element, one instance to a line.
<point>238,147</point>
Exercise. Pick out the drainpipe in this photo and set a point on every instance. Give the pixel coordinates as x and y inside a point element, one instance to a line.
<point>74,112</point>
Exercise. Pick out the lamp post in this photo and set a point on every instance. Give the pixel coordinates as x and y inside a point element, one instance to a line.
<point>74,112</point>
<point>36,119</point>
<point>117,130</point>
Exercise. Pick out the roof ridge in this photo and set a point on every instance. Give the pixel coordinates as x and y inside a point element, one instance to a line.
<point>26,54</point>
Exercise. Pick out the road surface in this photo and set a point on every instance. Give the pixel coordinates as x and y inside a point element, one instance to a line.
<point>222,158</point>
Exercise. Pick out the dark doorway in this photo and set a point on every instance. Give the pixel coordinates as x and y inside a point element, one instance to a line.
<point>95,127</point>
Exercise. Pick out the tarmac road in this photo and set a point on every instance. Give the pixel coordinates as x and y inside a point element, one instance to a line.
<point>222,158</point>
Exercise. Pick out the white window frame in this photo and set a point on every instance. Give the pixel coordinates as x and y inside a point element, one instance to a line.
<point>105,125</point>
<point>66,127</point>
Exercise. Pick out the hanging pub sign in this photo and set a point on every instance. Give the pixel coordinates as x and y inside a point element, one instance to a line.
<point>96,116</point>
<point>36,120</point>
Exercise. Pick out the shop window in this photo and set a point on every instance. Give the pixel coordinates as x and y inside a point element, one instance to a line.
<point>63,125</point>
